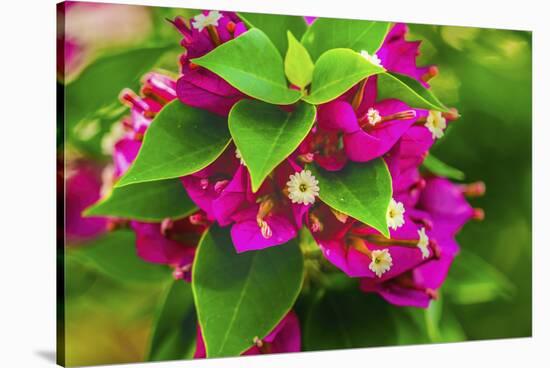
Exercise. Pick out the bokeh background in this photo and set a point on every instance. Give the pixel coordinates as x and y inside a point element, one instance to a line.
<point>485,73</point>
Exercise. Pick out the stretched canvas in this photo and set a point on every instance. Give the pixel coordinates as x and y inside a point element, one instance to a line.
<point>239,184</point>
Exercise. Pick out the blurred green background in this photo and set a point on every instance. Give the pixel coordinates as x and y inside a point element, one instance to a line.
<point>486,74</point>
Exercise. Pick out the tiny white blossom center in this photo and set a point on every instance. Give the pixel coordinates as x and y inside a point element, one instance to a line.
<point>373,116</point>
<point>423,242</point>
<point>436,124</point>
<point>381,262</point>
<point>394,216</point>
<point>373,59</point>
<point>202,21</point>
<point>239,156</point>
<point>302,187</point>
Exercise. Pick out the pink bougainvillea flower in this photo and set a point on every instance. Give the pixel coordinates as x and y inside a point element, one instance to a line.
<point>441,211</point>
<point>398,55</point>
<point>170,242</point>
<point>82,189</point>
<point>285,338</point>
<point>199,87</point>
<point>369,130</point>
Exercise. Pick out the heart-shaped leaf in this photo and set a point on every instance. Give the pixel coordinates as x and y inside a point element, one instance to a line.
<point>266,134</point>
<point>242,296</point>
<point>174,330</point>
<point>180,141</point>
<point>114,254</point>
<point>149,201</point>
<point>440,168</point>
<point>329,33</point>
<point>275,25</point>
<point>335,72</point>
<point>253,65</point>
<point>362,191</point>
<point>408,90</point>
<point>298,64</point>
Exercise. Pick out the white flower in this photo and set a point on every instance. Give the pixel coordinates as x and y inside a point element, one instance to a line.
<point>202,21</point>
<point>436,124</point>
<point>303,187</point>
<point>374,116</point>
<point>380,262</point>
<point>239,156</point>
<point>373,59</point>
<point>394,216</point>
<point>423,242</point>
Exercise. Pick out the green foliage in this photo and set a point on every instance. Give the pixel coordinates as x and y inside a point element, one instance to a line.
<point>408,90</point>
<point>242,296</point>
<point>148,201</point>
<point>362,191</point>
<point>114,254</point>
<point>90,98</point>
<point>335,72</point>
<point>265,134</point>
<point>345,319</point>
<point>298,64</point>
<point>174,327</point>
<point>251,64</point>
<point>329,33</point>
<point>473,280</point>
<point>180,141</point>
<point>274,26</point>
<point>440,168</point>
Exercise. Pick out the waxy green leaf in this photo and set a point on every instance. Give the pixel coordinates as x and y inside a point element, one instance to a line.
<point>242,296</point>
<point>329,33</point>
<point>266,134</point>
<point>251,64</point>
<point>174,331</point>
<point>180,141</point>
<point>361,190</point>
<point>275,25</point>
<point>345,319</point>
<point>149,201</point>
<point>408,90</point>
<point>440,168</point>
<point>335,72</point>
<point>298,64</point>
<point>114,254</point>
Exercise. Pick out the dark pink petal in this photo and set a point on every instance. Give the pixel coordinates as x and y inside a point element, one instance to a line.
<point>395,294</point>
<point>154,247</point>
<point>337,116</point>
<point>124,154</point>
<point>246,233</point>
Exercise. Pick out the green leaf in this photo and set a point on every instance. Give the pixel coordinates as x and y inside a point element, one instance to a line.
<point>408,90</point>
<point>275,25</point>
<point>472,280</point>
<point>114,254</point>
<point>345,319</point>
<point>242,296</point>
<point>361,190</point>
<point>149,201</point>
<point>439,168</point>
<point>298,64</point>
<point>335,72</point>
<point>251,64</point>
<point>174,330</point>
<point>100,83</point>
<point>329,33</point>
<point>265,134</point>
<point>180,141</point>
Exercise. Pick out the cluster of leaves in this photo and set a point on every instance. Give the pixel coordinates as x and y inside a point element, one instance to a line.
<point>236,297</point>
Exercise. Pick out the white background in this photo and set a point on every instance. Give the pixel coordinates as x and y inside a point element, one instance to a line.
<point>27,181</point>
